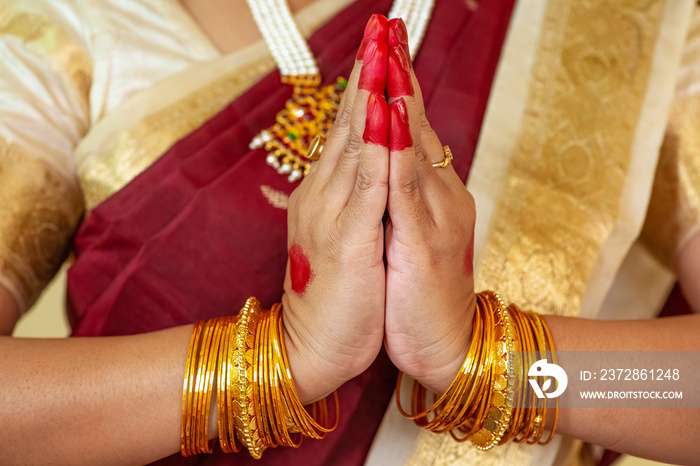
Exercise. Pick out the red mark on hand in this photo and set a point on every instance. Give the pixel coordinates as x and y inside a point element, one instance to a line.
<point>300,269</point>
<point>377,123</point>
<point>400,134</point>
<point>469,259</point>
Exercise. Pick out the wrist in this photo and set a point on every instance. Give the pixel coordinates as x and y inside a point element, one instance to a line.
<point>313,381</point>
<point>309,380</point>
<point>439,380</point>
<point>454,348</point>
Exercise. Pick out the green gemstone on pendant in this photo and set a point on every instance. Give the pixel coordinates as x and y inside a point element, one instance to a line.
<point>342,83</point>
<point>292,136</point>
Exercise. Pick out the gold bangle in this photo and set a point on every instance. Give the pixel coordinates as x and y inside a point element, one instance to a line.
<point>245,417</point>
<point>201,367</point>
<point>487,402</point>
<point>304,422</point>
<point>188,391</point>
<point>450,410</point>
<point>227,432</point>
<point>207,386</point>
<point>501,406</point>
<point>257,403</point>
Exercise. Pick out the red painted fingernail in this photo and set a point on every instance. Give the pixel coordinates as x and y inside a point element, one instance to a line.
<point>377,29</point>
<point>397,32</point>
<point>400,131</point>
<point>399,70</point>
<point>377,123</point>
<point>374,68</point>
<point>299,269</point>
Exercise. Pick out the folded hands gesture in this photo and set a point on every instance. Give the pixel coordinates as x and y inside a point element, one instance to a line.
<point>341,301</point>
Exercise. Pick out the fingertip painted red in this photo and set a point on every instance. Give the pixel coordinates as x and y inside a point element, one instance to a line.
<point>377,123</point>
<point>400,130</point>
<point>397,33</point>
<point>377,29</point>
<point>399,71</point>
<point>299,269</point>
<point>374,67</point>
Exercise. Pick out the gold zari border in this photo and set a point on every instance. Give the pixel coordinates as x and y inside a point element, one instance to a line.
<point>136,148</point>
<point>567,175</point>
<point>39,213</point>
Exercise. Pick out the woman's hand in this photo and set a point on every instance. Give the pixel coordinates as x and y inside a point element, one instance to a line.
<point>335,282</point>
<point>429,239</point>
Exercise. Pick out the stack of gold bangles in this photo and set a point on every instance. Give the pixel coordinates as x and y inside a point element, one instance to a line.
<point>257,404</point>
<point>490,402</point>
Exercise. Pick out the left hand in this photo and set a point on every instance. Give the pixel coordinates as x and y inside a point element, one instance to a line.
<point>429,238</point>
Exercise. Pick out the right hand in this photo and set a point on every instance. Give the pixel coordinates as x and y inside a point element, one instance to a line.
<point>335,280</point>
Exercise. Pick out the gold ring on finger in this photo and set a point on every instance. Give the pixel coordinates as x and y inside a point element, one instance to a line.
<point>316,147</point>
<point>447,160</point>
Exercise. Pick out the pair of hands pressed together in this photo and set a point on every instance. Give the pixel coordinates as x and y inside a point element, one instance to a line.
<point>340,302</point>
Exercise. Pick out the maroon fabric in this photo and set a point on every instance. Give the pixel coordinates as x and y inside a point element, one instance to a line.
<point>193,236</point>
<point>676,304</point>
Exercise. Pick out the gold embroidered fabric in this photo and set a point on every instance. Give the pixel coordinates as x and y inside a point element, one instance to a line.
<point>674,210</point>
<point>51,43</point>
<point>434,450</point>
<point>136,148</point>
<point>570,165</point>
<point>277,199</point>
<point>39,212</point>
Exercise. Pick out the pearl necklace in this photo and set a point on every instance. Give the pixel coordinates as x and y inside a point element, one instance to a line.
<point>312,109</point>
<point>287,45</point>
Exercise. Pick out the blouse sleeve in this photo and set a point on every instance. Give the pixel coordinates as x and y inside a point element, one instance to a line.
<point>45,75</point>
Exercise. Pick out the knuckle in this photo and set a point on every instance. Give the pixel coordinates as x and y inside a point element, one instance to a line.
<point>353,143</point>
<point>346,164</point>
<point>408,186</point>
<point>330,134</point>
<point>344,118</point>
<point>366,182</point>
<point>421,156</point>
<point>334,243</point>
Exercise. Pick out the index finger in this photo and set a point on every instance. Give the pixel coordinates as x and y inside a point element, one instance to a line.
<point>375,31</point>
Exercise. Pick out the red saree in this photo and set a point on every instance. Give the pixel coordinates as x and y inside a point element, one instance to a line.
<point>193,236</point>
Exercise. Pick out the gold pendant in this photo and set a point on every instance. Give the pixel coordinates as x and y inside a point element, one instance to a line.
<point>309,112</point>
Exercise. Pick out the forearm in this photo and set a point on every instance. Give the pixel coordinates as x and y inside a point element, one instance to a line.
<point>113,400</point>
<point>662,434</point>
